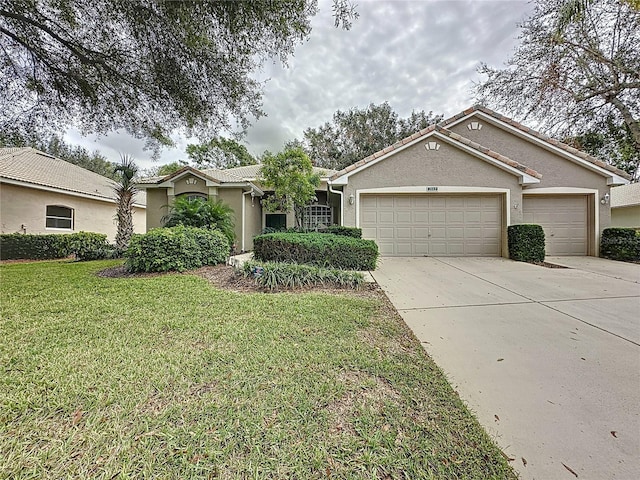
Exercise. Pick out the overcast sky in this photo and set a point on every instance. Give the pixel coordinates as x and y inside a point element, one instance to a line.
<point>416,55</point>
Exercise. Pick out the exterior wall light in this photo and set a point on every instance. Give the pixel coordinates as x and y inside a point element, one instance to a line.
<point>352,199</point>
<point>604,200</point>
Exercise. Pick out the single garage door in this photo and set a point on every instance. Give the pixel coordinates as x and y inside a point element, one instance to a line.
<point>433,224</point>
<point>564,220</point>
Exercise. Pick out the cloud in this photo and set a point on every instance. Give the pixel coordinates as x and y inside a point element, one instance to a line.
<point>414,54</point>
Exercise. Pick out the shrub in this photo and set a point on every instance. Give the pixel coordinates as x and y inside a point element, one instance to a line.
<point>344,231</point>
<point>14,246</point>
<point>526,243</point>
<point>90,246</point>
<point>620,244</point>
<point>201,213</point>
<point>177,248</point>
<point>213,244</point>
<point>292,275</point>
<point>321,249</point>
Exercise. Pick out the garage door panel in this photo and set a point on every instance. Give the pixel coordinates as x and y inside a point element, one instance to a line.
<point>564,220</point>
<point>433,224</point>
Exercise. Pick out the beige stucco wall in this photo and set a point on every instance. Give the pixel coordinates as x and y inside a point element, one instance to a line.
<point>181,186</point>
<point>157,202</point>
<point>27,206</point>
<point>253,221</point>
<point>626,216</point>
<point>233,198</point>
<point>556,170</point>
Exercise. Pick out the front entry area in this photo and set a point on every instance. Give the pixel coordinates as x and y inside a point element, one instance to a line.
<point>433,224</point>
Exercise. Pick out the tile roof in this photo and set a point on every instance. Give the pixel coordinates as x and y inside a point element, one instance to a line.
<point>252,171</point>
<point>625,195</point>
<point>448,133</point>
<point>539,136</point>
<point>229,175</point>
<point>441,128</point>
<point>38,168</point>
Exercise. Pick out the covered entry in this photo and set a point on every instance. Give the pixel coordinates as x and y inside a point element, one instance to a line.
<point>433,224</point>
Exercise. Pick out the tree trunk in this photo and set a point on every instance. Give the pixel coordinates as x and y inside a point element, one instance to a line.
<point>629,121</point>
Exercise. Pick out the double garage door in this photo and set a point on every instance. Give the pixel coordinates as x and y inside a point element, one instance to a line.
<point>433,224</point>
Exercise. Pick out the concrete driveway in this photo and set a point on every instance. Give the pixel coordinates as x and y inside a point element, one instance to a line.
<point>549,359</point>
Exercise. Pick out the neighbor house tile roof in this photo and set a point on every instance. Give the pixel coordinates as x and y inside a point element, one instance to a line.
<point>448,133</point>
<point>32,166</point>
<point>539,136</point>
<point>625,195</point>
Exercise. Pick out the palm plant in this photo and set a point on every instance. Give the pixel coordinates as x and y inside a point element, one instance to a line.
<point>198,212</point>
<point>125,191</point>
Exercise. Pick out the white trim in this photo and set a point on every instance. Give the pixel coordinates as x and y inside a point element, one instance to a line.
<point>612,178</point>
<point>574,191</point>
<point>330,187</point>
<point>244,200</point>
<point>442,189</point>
<point>71,193</point>
<point>525,179</point>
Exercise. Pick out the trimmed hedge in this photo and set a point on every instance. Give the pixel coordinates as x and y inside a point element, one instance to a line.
<point>526,243</point>
<point>176,248</point>
<point>620,244</point>
<point>320,249</point>
<point>14,246</point>
<point>344,231</point>
<point>272,275</point>
<point>90,246</point>
<point>85,246</point>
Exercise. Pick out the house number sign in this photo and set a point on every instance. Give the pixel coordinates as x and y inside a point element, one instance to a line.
<point>191,181</point>
<point>432,189</point>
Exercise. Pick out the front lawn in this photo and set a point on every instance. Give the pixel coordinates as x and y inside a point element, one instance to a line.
<point>169,377</point>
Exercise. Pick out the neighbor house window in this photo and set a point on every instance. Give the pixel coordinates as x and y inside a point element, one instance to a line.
<point>316,216</point>
<point>59,217</point>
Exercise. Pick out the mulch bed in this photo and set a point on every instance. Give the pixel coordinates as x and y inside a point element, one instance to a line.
<point>225,277</point>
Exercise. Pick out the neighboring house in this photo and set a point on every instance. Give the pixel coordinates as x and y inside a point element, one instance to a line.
<point>43,194</point>
<point>240,188</point>
<point>450,189</point>
<point>625,206</point>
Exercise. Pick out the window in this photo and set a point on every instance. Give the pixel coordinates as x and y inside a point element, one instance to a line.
<point>59,217</point>
<point>276,220</point>
<point>316,216</point>
<point>195,196</point>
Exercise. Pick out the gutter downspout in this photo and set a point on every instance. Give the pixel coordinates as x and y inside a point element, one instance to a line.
<point>244,201</point>
<point>341,201</point>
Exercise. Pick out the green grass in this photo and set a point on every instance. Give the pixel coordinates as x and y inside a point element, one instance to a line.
<point>168,377</point>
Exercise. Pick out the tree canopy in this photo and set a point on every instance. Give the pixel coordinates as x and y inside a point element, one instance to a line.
<point>576,70</point>
<point>358,133</point>
<point>290,175</point>
<point>146,66</point>
<point>220,152</point>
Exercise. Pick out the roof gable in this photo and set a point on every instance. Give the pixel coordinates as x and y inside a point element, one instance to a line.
<point>526,174</point>
<point>561,149</point>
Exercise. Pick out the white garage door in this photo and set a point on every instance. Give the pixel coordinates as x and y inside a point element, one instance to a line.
<point>434,225</point>
<point>564,220</point>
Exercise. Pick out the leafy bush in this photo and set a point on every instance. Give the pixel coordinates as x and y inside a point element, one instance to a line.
<point>176,248</point>
<point>526,243</point>
<point>344,231</point>
<point>291,275</point>
<point>321,249</point>
<point>201,213</point>
<point>15,246</point>
<point>620,244</point>
<point>214,246</point>
<point>90,246</point>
